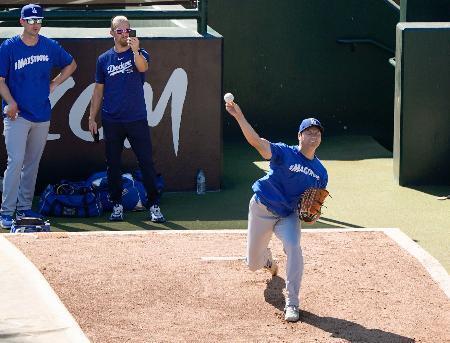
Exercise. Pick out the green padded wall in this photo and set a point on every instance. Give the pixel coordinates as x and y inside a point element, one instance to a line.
<point>282,62</point>
<point>425,10</point>
<point>422,104</point>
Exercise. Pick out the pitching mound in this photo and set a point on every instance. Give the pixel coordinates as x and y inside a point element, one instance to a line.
<point>157,286</point>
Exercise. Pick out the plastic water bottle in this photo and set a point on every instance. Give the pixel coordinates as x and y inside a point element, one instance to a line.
<point>201,182</point>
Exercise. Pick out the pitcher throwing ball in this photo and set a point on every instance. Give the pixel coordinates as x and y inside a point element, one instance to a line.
<point>274,205</point>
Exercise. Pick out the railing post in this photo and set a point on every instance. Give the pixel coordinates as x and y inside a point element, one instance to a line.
<point>202,22</point>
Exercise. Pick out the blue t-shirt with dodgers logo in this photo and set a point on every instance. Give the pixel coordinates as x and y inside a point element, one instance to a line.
<point>290,174</point>
<point>123,93</point>
<point>27,71</point>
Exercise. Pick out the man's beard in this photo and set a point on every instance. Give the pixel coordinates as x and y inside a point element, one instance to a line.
<point>123,43</point>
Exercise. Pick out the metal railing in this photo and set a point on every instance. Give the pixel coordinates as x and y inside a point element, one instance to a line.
<point>87,14</point>
<point>355,41</point>
<point>352,42</point>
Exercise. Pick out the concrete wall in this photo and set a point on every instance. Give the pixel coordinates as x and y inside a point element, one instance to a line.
<point>422,104</point>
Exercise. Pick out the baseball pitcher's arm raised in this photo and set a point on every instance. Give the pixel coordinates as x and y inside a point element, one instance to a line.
<point>260,144</point>
<point>96,102</point>
<point>63,75</point>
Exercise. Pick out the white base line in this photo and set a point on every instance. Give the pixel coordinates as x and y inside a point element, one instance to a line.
<point>223,258</point>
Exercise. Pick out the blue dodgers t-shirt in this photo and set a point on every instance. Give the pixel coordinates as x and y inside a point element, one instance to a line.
<point>27,71</point>
<point>290,174</point>
<point>123,94</point>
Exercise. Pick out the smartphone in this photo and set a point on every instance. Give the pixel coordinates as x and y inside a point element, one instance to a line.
<point>132,33</point>
<point>96,137</point>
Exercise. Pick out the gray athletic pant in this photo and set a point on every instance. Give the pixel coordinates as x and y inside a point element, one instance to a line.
<point>261,224</point>
<point>25,142</point>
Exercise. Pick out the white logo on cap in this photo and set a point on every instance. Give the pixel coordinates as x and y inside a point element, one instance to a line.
<point>33,9</point>
<point>313,122</point>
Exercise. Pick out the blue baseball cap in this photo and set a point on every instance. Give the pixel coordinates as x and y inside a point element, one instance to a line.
<point>308,123</point>
<point>31,11</point>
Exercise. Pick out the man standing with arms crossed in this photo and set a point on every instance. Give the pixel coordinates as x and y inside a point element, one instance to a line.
<point>26,63</point>
<point>119,91</point>
<point>273,207</point>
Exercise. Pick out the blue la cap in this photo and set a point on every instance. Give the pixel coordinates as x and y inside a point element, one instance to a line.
<point>31,11</point>
<point>310,122</point>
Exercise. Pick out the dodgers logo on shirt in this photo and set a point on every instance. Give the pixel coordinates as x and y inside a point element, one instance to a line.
<point>124,67</point>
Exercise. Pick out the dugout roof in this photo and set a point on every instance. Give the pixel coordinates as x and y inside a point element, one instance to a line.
<point>109,3</point>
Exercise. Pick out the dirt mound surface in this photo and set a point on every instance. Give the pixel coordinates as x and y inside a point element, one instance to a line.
<point>195,287</point>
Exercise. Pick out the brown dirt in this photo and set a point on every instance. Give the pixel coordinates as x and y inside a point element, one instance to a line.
<point>152,287</point>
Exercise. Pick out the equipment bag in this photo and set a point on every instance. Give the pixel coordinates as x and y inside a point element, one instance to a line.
<point>30,224</point>
<point>134,196</point>
<point>70,199</point>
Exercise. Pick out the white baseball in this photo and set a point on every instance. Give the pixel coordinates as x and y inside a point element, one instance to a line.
<point>6,108</point>
<point>228,97</point>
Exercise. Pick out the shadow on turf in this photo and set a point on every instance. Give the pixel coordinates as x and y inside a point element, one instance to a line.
<point>351,331</point>
<point>139,222</point>
<point>137,225</point>
<point>437,191</point>
<point>325,220</point>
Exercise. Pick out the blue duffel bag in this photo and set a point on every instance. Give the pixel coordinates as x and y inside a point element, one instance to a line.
<point>70,199</point>
<point>134,195</point>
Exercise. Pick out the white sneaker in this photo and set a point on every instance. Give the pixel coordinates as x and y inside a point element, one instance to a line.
<point>156,215</point>
<point>271,265</point>
<point>291,313</point>
<point>117,213</point>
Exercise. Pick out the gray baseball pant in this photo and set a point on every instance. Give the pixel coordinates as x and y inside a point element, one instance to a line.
<point>25,142</point>
<point>261,224</point>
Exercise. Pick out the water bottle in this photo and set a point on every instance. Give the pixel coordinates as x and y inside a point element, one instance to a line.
<point>201,182</point>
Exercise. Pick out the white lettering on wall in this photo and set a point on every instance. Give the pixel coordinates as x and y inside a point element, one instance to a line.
<point>175,89</point>
<point>77,112</point>
<point>54,98</point>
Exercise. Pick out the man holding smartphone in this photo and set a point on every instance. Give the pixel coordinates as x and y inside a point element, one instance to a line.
<point>119,92</point>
